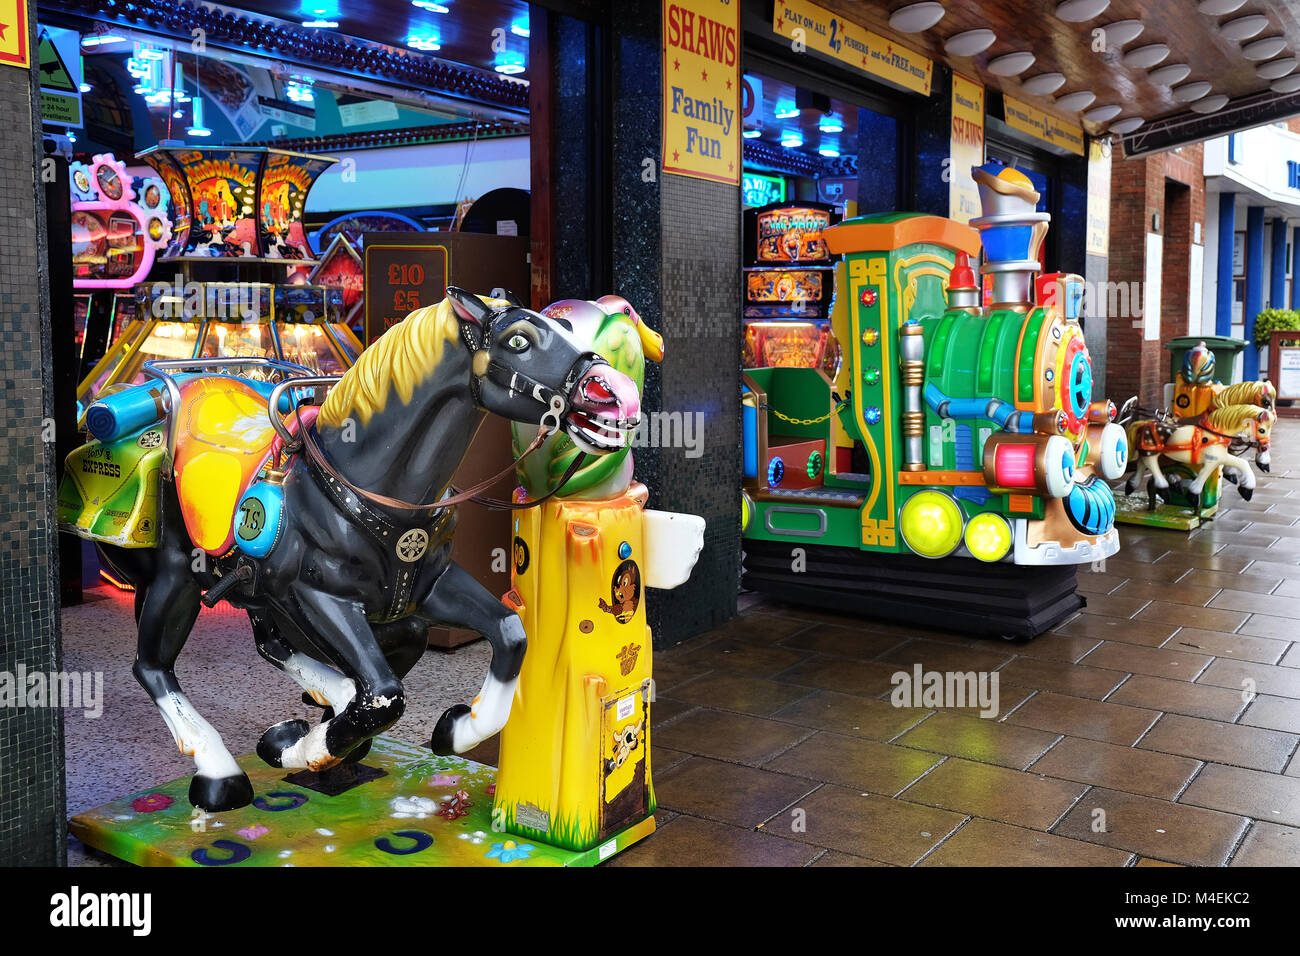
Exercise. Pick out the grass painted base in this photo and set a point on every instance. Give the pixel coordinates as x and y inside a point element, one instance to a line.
<point>1132,509</point>
<point>425,811</point>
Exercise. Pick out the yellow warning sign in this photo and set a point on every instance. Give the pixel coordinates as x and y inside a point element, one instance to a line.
<point>13,33</point>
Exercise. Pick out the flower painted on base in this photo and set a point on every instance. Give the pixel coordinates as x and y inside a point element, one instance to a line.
<point>253,832</point>
<point>510,851</point>
<point>151,803</point>
<point>444,780</point>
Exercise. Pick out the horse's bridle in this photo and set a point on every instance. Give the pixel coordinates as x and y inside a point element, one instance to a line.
<point>556,402</point>
<point>476,337</point>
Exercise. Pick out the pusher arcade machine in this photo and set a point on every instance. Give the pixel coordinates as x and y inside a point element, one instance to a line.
<point>239,257</point>
<point>789,275</point>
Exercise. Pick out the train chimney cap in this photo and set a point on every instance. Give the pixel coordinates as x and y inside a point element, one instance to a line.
<point>1006,181</point>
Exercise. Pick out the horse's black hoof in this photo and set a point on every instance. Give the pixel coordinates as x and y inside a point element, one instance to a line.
<point>440,743</point>
<point>216,794</point>
<point>1230,475</point>
<point>1130,486</point>
<point>279,738</point>
<point>1263,467</point>
<point>1246,493</point>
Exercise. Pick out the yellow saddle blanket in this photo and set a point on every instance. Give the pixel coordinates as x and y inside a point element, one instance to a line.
<point>223,438</point>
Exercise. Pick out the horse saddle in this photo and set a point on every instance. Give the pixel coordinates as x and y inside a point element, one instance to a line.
<point>224,438</point>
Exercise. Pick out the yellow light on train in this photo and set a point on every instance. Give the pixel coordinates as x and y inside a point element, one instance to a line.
<point>746,511</point>
<point>931,523</point>
<point>988,537</point>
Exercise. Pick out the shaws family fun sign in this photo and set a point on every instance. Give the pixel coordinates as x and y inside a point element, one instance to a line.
<point>701,71</point>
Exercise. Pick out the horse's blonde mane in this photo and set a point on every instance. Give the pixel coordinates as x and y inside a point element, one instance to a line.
<point>1243,393</point>
<point>1230,419</point>
<point>399,360</point>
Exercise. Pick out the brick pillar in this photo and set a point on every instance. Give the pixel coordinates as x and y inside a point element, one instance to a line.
<point>32,827</point>
<point>1133,365</point>
<point>1170,185</point>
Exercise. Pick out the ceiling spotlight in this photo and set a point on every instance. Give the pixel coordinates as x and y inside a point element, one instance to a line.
<point>1122,31</point>
<point>916,17</point>
<point>751,133</point>
<point>1076,11</point>
<point>1191,91</point>
<point>1210,104</point>
<point>791,140</point>
<point>1288,84</point>
<point>1243,28</point>
<point>1170,75</point>
<point>1073,102</point>
<point>829,124</point>
<point>829,152</point>
<point>1101,114</point>
<point>1011,64</point>
<point>1043,84</point>
<point>1264,49</point>
<point>1276,69</point>
<point>1218,8</point>
<point>1127,125</point>
<point>1145,57</point>
<point>969,43</point>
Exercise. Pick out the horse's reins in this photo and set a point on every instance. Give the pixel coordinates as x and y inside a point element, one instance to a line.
<point>474,493</point>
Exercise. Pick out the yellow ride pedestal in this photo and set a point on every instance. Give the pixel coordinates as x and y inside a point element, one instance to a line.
<point>575,755</point>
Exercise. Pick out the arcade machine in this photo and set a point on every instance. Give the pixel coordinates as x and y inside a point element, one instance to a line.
<point>788,282</point>
<point>236,241</point>
<point>119,224</point>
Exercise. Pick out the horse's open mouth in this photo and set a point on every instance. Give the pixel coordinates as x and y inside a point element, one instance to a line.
<point>605,409</point>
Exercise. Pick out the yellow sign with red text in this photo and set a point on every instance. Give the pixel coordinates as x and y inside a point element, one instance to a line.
<point>817,28</point>
<point>701,69</point>
<point>13,33</point>
<point>966,148</point>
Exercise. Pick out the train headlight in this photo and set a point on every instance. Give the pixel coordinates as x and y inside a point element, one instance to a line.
<point>988,537</point>
<point>931,523</point>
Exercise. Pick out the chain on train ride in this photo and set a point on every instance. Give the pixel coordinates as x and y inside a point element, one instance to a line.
<point>909,452</point>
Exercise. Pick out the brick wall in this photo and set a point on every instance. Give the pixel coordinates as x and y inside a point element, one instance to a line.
<point>32,828</point>
<point>1139,191</point>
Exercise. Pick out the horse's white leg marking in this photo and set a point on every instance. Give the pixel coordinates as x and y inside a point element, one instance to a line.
<point>490,710</point>
<point>1239,465</point>
<point>487,715</point>
<point>310,752</point>
<point>1203,475</point>
<point>196,737</point>
<point>321,681</point>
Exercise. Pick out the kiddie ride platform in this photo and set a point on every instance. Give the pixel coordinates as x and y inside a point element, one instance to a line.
<point>1175,511</point>
<point>410,808</point>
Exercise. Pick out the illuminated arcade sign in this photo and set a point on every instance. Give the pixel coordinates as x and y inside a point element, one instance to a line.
<point>761,190</point>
